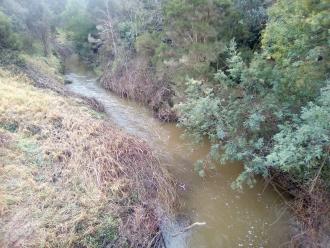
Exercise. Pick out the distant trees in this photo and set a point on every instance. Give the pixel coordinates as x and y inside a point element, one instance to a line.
<point>163,42</point>
<point>78,24</point>
<point>197,32</point>
<point>32,20</point>
<point>8,39</point>
<point>37,21</point>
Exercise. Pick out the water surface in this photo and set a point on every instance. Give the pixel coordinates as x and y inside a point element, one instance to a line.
<point>255,218</point>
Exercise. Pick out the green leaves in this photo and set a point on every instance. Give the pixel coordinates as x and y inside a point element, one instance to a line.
<point>254,121</point>
<point>302,146</point>
<point>8,39</point>
<point>271,112</point>
<point>78,25</point>
<point>299,47</point>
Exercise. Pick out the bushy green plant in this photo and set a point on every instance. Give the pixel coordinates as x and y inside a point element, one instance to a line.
<point>106,233</point>
<point>302,145</point>
<point>246,119</point>
<point>147,44</point>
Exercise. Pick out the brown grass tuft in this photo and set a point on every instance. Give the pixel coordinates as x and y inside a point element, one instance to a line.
<point>134,80</point>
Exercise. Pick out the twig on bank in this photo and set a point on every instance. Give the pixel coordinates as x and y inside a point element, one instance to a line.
<point>189,227</point>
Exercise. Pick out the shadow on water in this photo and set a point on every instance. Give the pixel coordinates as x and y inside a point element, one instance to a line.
<point>255,218</point>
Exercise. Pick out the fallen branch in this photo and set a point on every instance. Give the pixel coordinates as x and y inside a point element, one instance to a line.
<point>189,227</point>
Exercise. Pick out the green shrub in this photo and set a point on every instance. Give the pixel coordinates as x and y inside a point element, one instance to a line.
<point>105,234</point>
<point>302,146</point>
<point>9,59</point>
<point>246,119</point>
<point>147,44</point>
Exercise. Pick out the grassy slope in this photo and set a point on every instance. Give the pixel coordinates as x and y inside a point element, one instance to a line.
<point>68,177</point>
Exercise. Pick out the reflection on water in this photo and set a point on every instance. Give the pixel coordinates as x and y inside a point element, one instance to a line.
<point>255,218</point>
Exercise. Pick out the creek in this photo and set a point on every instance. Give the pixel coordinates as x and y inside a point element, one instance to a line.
<point>255,218</point>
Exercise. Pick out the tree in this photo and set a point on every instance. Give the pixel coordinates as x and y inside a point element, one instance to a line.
<point>37,22</point>
<point>8,39</point>
<point>254,15</point>
<point>32,20</point>
<point>299,46</point>
<point>79,25</point>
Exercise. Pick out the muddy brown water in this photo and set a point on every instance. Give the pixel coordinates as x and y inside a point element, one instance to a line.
<point>255,218</point>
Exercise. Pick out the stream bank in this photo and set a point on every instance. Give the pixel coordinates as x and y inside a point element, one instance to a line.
<point>68,176</point>
<point>255,218</point>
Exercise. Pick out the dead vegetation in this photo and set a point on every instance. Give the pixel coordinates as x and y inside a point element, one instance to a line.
<point>310,206</point>
<point>68,178</point>
<point>134,81</point>
<point>43,75</point>
<point>312,209</point>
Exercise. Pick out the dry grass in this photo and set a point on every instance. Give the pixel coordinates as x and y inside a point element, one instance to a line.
<point>310,205</point>
<point>134,80</point>
<point>43,75</point>
<point>312,210</point>
<point>51,65</point>
<point>68,178</point>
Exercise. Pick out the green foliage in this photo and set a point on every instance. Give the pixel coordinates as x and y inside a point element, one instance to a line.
<point>297,38</point>
<point>79,25</point>
<point>235,125</point>
<point>8,39</point>
<point>252,112</point>
<point>197,32</point>
<point>105,234</point>
<point>147,44</point>
<point>302,145</point>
